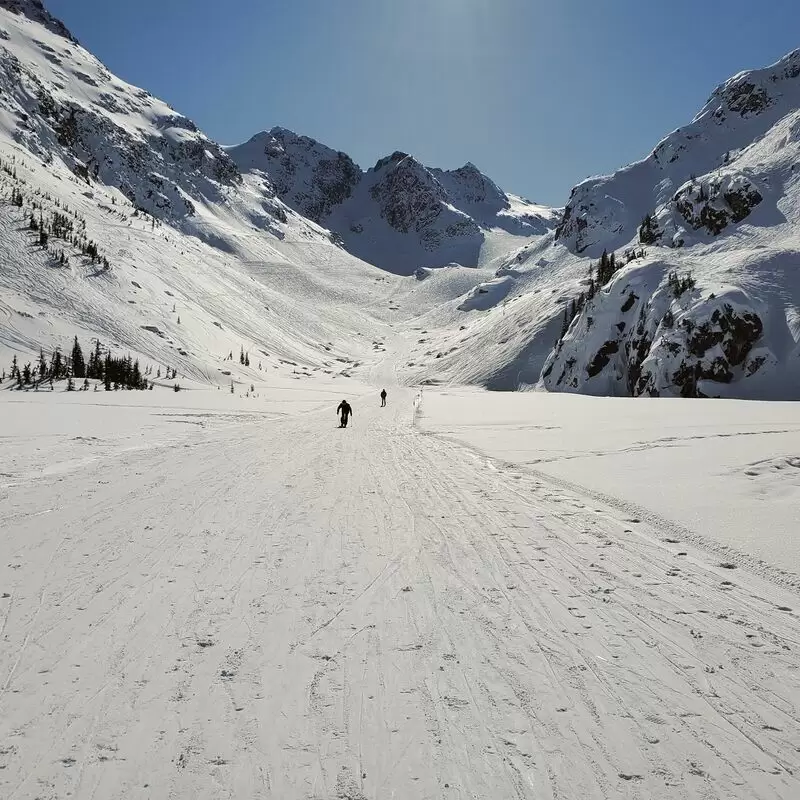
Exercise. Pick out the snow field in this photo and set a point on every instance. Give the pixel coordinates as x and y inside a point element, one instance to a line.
<point>271,607</point>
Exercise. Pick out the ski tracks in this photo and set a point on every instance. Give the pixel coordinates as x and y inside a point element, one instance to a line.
<point>290,610</point>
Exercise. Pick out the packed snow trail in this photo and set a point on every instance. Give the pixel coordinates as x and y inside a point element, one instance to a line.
<point>283,609</point>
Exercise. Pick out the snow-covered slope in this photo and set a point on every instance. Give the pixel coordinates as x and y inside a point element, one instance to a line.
<point>163,243</point>
<point>707,302</point>
<point>719,202</point>
<point>399,215</point>
<point>168,251</point>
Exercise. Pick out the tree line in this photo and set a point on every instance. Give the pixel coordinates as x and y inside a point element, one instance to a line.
<point>115,372</point>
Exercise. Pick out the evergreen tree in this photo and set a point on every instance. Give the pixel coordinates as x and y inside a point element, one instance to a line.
<point>26,374</point>
<point>14,367</point>
<point>602,269</point>
<point>247,359</point>
<point>78,364</point>
<point>70,384</point>
<point>241,356</point>
<point>56,365</point>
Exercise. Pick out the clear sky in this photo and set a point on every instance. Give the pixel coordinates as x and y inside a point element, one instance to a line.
<point>538,93</point>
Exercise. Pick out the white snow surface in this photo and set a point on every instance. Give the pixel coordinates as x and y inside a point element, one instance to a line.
<point>205,595</point>
<point>720,473</point>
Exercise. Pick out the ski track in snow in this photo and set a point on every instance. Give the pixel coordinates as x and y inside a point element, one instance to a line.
<point>276,608</point>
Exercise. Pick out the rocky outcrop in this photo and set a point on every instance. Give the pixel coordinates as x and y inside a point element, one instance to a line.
<point>642,337</point>
<point>306,175</point>
<point>36,12</point>
<point>716,202</point>
<point>606,212</point>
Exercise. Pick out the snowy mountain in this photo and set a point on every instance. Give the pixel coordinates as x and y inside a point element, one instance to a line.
<point>702,297</point>
<point>123,222</point>
<point>399,215</point>
<point>718,200</point>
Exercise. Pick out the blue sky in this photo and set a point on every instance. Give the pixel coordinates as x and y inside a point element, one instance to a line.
<point>538,93</point>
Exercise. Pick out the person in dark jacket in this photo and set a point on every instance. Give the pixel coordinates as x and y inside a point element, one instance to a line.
<point>344,411</point>
<point>383,397</point>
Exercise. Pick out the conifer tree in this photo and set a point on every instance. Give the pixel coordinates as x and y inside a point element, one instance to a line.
<point>78,364</point>
<point>56,365</point>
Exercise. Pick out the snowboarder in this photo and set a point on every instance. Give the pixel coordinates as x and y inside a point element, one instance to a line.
<point>345,410</point>
<point>383,398</point>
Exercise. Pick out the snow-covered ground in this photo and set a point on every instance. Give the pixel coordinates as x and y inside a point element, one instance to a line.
<point>245,601</point>
<point>722,472</point>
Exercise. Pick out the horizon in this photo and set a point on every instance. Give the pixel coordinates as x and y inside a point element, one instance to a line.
<point>361,82</point>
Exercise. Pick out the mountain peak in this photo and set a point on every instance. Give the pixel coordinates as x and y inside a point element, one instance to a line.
<point>394,158</point>
<point>35,11</point>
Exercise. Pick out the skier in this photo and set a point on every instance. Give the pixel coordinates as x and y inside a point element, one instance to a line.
<point>383,397</point>
<point>345,410</point>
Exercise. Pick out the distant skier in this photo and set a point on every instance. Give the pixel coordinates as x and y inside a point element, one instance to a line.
<point>345,411</point>
<point>383,398</point>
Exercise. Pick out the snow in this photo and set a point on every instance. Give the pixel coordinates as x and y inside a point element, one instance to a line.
<point>224,596</point>
<point>727,472</point>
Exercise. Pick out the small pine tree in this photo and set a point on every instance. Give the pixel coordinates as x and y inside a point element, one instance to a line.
<point>78,364</point>
<point>247,359</point>
<point>179,320</point>
<point>241,356</point>
<point>70,384</point>
<point>232,387</point>
<point>26,374</point>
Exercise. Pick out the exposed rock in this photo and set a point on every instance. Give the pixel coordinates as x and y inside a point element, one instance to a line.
<point>676,345</point>
<point>35,11</point>
<point>602,358</point>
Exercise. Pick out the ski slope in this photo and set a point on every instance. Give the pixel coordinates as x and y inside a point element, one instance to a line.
<point>207,595</point>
